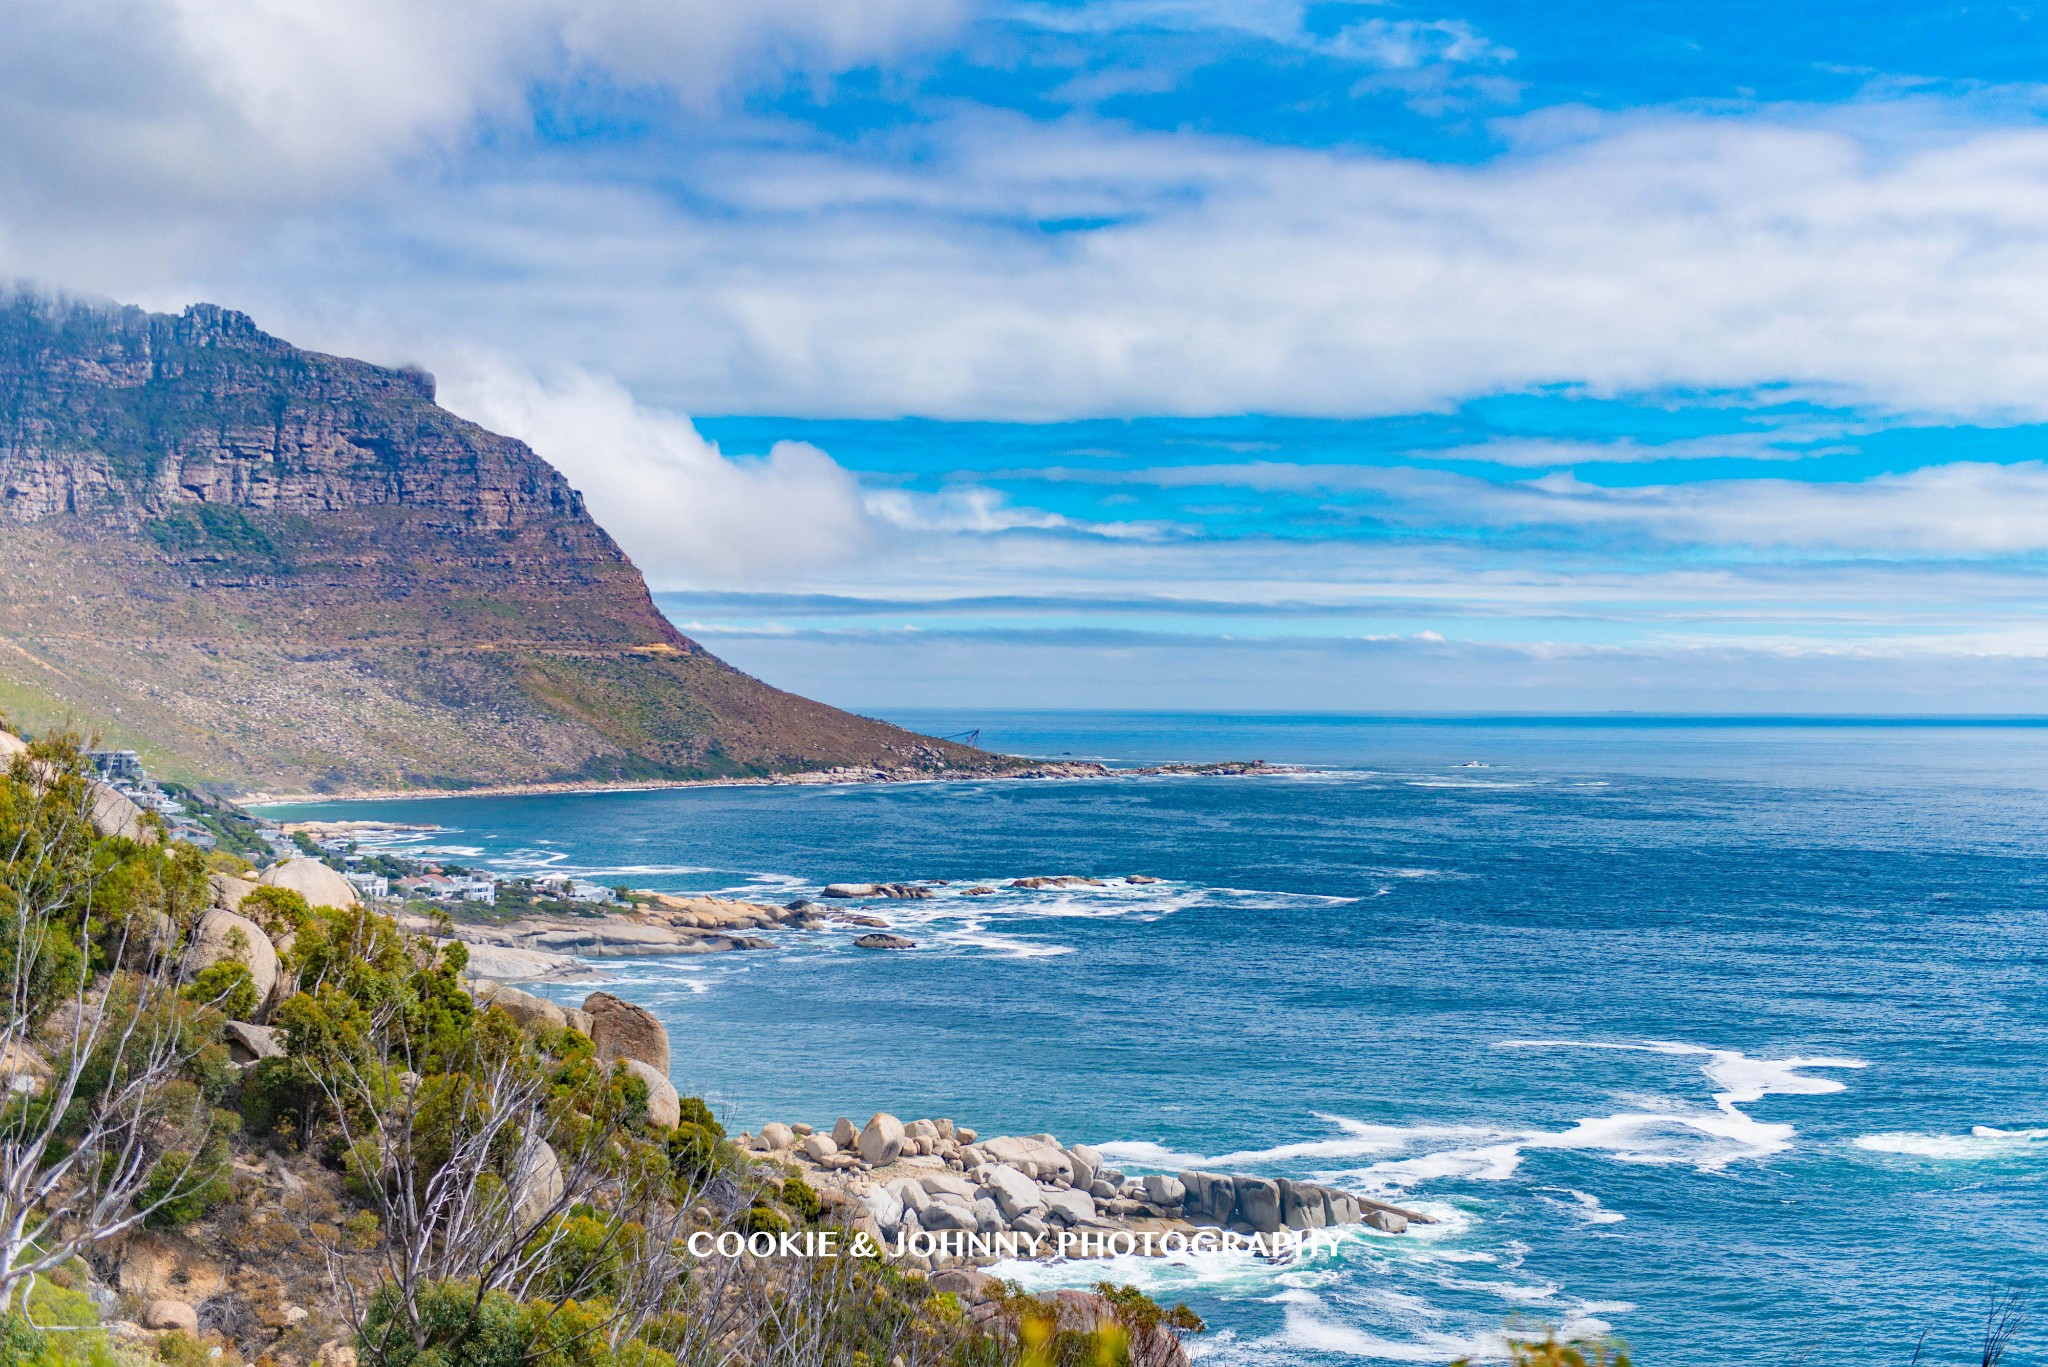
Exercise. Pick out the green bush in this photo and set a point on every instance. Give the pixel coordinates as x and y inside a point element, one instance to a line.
<point>693,1151</point>
<point>194,1186</point>
<point>801,1197</point>
<point>180,1349</point>
<point>20,1345</point>
<point>461,1328</point>
<point>363,1166</point>
<point>763,1219</point>
<point>226,987</point>
<point>695,1112</point>
<point>280,911</point>
<point>280,1095</point>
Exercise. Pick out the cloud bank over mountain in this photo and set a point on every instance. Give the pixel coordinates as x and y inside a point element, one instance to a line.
<point>1462,297</point>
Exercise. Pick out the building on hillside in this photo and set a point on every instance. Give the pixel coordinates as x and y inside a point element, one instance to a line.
<point>440,887</point>
<point>369,884</point>
<point>478,887</point>
<point>117,766</point>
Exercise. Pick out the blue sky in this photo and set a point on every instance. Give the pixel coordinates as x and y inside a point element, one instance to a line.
<point>1206,353</point>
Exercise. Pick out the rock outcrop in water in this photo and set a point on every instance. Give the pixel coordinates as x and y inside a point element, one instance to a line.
<point>901,1180</point>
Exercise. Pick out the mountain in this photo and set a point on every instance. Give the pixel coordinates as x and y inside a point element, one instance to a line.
<point>294,572</point>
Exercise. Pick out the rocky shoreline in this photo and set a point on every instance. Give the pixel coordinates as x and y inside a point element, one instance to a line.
<point>938,1195</point>
<point>1047,769</point>
<point>930,1194</point>
<point>558,948</point>
<point>551,948</point>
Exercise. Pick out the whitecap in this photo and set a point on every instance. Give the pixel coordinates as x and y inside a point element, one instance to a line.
<point>1004,945</point>
<point>1983,1143</point>
<point>1582,1204</point>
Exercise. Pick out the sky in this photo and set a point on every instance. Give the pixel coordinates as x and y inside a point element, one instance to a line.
<point>1214,354</point>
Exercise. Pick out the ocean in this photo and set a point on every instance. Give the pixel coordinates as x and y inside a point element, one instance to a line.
<point>1725,1038</point>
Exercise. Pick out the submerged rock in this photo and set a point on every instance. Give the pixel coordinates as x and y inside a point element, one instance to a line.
<point>878,941</point>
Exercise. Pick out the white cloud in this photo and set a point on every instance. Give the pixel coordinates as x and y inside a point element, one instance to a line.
<point>982,510</point>
<point>683,510</point>
<point>193,119</point>
<point>912,274</point>
<point>1967,508</point>
<point>1792,442</point>
<point>1397,44</point>
<point>1404,44</point>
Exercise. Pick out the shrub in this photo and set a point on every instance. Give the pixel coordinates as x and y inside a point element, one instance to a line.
<point>801,1197</point>
<point>279,1096</point>
<point>695,1112</point>
<point>180,1349</point>
<point>461,1328</point>
<point>195,1185</point>
<point>693,1151</point>
<point>20,1345</point>
<point>363,1165</point>
<point>763,1219</point>
<point>226,987</point>
<point>280,911</point>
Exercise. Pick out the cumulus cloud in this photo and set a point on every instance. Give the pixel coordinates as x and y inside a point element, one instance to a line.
<point>686,512</point>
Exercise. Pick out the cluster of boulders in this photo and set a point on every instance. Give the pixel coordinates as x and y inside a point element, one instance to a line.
<point>916,891</point>
<point>556,948</point>
<point>893,891</point>
<point>935,1176</point>
<point>1266,1205</point>
<point>224,934</point>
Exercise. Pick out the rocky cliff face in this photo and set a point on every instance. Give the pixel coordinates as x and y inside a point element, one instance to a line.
<point>295,571</point>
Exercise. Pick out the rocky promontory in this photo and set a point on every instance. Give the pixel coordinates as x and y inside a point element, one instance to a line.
<point>557,948</point>
<point>937,1194</point>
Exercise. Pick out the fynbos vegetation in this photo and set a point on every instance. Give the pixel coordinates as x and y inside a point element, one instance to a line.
<point>240,1127</point>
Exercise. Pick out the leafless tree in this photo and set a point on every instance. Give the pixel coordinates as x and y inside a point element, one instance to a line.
<point>91,1106</point>
<point>2002,1324</point>
<point>473,1182</point>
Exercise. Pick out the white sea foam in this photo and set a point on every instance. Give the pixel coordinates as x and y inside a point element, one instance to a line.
<point>1007,946</point>
<point>1308,1327</point>
<point>1582,1204</point>
<point>1984,1143</point>
<point>1704,1133</point>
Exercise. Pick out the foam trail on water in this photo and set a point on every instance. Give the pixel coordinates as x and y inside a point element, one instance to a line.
<point>1984,1143</point>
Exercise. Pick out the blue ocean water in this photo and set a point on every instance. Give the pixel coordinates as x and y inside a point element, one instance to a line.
<point>1726,1038</point>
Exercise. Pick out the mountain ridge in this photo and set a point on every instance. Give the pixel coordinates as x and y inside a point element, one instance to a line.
<point>296,572</point>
